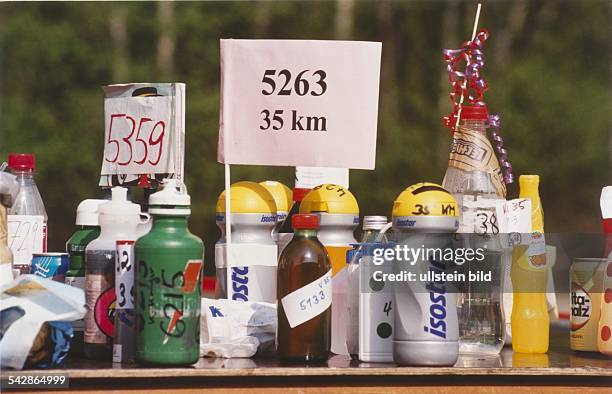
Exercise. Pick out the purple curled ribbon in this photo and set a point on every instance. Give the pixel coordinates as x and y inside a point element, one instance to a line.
<point>471,86</point>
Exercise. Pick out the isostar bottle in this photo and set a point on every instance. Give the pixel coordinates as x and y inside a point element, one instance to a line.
<point>304,295</point>
<point>426,330</point>
<point>168,281</point>
<point>282,197</point>
<point>27,214</point>
<point>285,231</point>
<point>88,230</point>
<point>338,213</point>
<point>253,218</point>
<point>530,320</point>
<point>119,219</point>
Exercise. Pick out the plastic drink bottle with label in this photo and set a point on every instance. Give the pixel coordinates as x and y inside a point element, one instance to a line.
<point>473,177</point>
<point>253,218</point>
<point>604,327</point>
<point>338,213</point>
<point>169,261</point>
<point>282,197</point>
<point>530,320</point>
<point>372,225</point>
<point>89,229</point>
<point>285,231</point>
<point>426,331</point>
<point>118,219</point>
<point>28,203</point>
<point>304,315</point>
<point>9,189</point>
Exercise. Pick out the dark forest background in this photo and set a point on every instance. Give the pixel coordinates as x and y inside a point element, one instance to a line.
<point>548,67</point>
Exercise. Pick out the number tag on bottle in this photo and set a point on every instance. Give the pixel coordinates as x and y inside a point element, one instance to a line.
<point>300,102</point>
<point>124,275</point>
<point>25,236</point>
<point>143,131</point>
<point>309,301</point>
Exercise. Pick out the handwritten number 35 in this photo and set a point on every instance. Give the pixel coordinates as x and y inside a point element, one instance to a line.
<point>158,128</point>
<point>301,86</point>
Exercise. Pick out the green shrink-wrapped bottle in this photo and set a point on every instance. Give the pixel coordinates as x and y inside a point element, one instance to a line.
<point>168,269</point>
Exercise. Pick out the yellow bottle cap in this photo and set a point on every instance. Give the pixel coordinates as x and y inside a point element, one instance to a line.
<point>529,185</point>
<point>248,197</point>
<point>330,198</point>
<point>427,199</point>
<point>282,195</point>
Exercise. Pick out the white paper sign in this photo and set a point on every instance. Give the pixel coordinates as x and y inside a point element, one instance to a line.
<point>144,131</point>
<point>124,275</point>
<point>25,236</point>
<point>309,301</point>
<point>309,177</point>
<point>297,102</point>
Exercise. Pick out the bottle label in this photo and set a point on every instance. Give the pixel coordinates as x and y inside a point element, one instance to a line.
<point>472,151</point>
<point>78,282</point>
<point>536,251</point>
<point>26,235</point>
<point>309,301</point>
<point>124,275</point>
<point>100,296</point>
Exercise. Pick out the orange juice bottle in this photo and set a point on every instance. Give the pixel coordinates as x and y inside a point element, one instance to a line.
<point>529,273</point>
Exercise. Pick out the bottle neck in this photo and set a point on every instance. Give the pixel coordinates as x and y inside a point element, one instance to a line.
<point>307,233</point>
<point>24,177</point>
<point>479,126</point>
<point>162,222</point>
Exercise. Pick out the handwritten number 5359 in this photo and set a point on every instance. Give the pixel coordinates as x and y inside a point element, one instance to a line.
<point>156,137</point>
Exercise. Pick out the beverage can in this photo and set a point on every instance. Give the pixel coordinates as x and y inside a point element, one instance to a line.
<point>585,299</point>
<point>50,265</point>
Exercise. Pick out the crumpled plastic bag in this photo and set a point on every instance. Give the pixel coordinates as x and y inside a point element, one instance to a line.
<point>231,329</point>
<point>26,304</point>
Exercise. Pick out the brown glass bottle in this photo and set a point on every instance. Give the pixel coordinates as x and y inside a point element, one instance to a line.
<point>302,262</point>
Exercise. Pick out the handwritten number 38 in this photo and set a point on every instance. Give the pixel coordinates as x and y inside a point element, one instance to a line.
<point>156,137</point>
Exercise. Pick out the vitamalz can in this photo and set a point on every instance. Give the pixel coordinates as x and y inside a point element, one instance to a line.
<point>50,265</point>
<point>585,303</point>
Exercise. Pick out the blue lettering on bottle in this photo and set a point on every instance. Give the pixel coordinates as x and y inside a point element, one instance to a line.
<point>240,280</point>
<point>437,296</point>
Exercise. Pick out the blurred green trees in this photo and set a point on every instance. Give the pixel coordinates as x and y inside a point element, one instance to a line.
<point>548,67</point>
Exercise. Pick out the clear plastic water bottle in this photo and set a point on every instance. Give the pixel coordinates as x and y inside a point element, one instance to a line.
<point>27,207</point>
<point>371,234</point>
<point>474,179</point>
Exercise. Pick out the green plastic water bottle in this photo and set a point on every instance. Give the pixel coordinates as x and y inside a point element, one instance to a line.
<point>168,274</point>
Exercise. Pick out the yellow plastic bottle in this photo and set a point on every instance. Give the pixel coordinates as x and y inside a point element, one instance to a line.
<point>529,273</point>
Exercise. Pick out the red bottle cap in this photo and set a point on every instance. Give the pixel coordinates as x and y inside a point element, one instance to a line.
<point>21,161</point>
<point>470,112</point>
<point>304,221</point>
<point>299,193</point>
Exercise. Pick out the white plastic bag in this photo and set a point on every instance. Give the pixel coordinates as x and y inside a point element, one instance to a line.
<point>236,328</point>
<point>37,301</point>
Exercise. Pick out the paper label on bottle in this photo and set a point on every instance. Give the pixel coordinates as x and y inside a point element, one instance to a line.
<point>117,353</point>
<point>309,301</point>
<point>472,151</point>
<point>124,275</point>
<point>536,251</point>
<point>25,236</point>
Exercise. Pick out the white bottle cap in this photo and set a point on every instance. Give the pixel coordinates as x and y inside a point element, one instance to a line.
<point>119,206</point>
<point>87,212</point>
<point>172,199</point>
